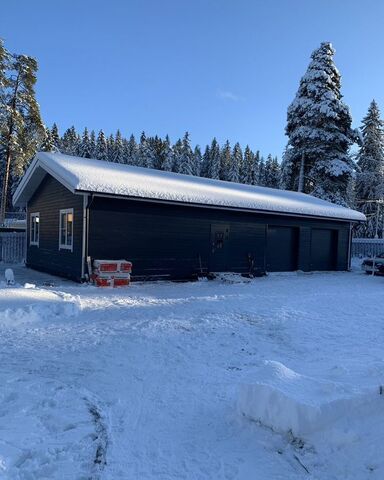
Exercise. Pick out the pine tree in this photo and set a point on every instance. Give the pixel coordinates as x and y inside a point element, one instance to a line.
<point>214,164</point>
<point>158,147</point>
<point>118,153</point>
<point>187,160</point>
<point>85,147</point>
<point>48,144</point>
<point>225,160</point>
<point>168,162</point>
<point>21,128</point>
<point>111,148</point>
<point>4,65</point>
<point>149,153</point>
<point>205,162</point>
<point>236,163</point>
<point>370,178</point>
<point>70,142</point>
<point>248,166</point>
<point>319,129</point>
<point>131,151</point>
<point>272,172</point>
<point>146,152</point>
<point>92,143</point>
<point>197,160</point>
<point>177,154</point>
<point>255,168</point>
<point>261,180</point>
<point>101,151</point>
<point>55,138</point>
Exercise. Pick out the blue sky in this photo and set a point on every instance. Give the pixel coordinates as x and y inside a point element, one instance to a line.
<point>215,68</point>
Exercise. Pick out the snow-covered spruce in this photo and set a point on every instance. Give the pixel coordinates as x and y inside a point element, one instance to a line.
<point>316,160</point>
<point>186,161</point>
<point>370,177</point>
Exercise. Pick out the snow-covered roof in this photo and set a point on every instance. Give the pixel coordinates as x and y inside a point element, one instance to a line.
<point>100,177</point>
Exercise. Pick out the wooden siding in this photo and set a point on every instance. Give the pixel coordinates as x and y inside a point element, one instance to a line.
<point>176,241</point>
<point>48,200</point>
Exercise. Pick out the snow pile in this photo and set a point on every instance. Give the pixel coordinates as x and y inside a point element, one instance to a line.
<point>23,305</point>
<point>83,174</point>
<point>284,400</point>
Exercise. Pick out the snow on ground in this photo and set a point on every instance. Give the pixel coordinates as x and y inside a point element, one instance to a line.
<point>144,382</point>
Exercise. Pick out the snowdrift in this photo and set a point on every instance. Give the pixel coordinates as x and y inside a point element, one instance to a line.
<point>25,305</point>
<point>284,400</point>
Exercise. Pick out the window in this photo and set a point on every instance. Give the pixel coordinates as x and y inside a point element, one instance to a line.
<point>66,229</point>
<point>34,229</point>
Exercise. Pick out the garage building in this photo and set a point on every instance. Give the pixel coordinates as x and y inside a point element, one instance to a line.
<point>171,225</point>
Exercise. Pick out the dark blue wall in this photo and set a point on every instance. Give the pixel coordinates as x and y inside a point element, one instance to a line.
<point>179,241</point>
<point>48,200</point>
<point>171,241</point>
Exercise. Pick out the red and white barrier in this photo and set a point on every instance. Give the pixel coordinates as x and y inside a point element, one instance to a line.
<point>112,273</point>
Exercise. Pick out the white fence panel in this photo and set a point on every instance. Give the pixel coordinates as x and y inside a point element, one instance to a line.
<point>365,247</point>
<point>12,247</point>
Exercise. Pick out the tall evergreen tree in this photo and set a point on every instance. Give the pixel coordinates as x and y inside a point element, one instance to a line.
<point>272,172</point>
<point>255,168</point>
<point>111,148</point>
<point>187,160</point>
<point>261,180</point>
<point>214,164</point>
<point>235,165</point>
<point>85,147</point>
<point>70,142</point>
<point>158,148</point>
<point>21,128</point>
<point>4,64</point>
<point>101,151</point>
<point>205,162</point>
<point>92,143</point>
<point>48,144</point>
<point>370,178</point>
<point>248,166</point>
<point>177,154</point>
<point>149,153</point>
<point>146,153</point>
<point>131,152</point>
<point>225,160</point>
<point>55,138</point>
<point>319,129</point>
<point>168,161</point>
<point>118,147</point>
<point>197,160</point>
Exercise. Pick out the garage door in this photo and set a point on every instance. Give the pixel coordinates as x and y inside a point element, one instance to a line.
<point>282,249</point>
<point>323,249</point>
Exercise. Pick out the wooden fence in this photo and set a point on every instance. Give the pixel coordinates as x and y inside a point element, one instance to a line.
<point>367,247</point>
<point>12,247</point>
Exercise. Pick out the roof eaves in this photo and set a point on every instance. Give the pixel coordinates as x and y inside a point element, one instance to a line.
<point>37,162</point>
<point>217,207</point>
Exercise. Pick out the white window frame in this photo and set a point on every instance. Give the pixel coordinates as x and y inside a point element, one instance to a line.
<point>65,246</point>
<point>34,241</point>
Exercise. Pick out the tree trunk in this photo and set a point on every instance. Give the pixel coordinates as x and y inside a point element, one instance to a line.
<point>300,187</point>
<point>8,156</point>
<point>4,193</point>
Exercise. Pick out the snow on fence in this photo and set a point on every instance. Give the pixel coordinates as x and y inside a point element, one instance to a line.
<point>12,247</point>
<point>364,247</point>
